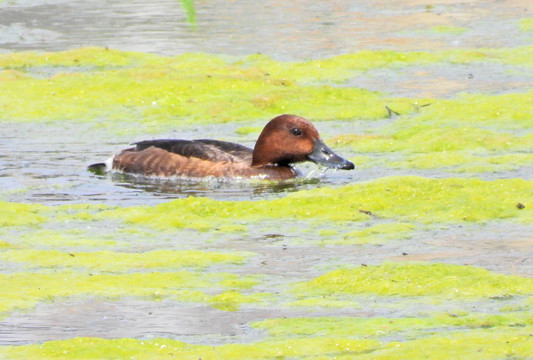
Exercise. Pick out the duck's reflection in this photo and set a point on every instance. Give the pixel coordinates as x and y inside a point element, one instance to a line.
<point>220,189</point>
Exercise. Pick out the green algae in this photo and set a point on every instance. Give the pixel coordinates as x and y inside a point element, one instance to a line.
<point>14,214</point>
<point>109,261</point>
<point>481,344</point>
<point>460,144</point>
<point>378,234</point>
<point>436,280</point>
<point>70,239</point>
<point>470,133</point>
<point>322,302</point>
<point>429,139</point>
<point>504,112</point>
<point>134,92</point>
<point>83,348</point>
<point>458,161</point>
<point>448,29</point>
<point>5,245</point>
<point>338,69</point>
<point>85,58</point>
<point>487,343</point>
<point>161,93</point>
<point>358,327</point>
<point>526,24</point>
<point>402,198</point>
<point>232,300</point>
<point>247,130</point>
<point>25,290</point>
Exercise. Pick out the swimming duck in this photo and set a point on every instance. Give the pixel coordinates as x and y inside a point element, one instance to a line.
<point>285,140</point>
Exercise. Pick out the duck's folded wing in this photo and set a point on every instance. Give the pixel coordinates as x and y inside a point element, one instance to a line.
<point>211,150</point>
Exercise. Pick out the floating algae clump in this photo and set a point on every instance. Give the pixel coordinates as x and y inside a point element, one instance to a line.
<point>83,57</point>
<point>448,29</point>
<point>109,261</point>
<point>65,239</point>
<point>361,327</point>
<point>139,93</point>
<point>441,280</point>
<point>504,112</point>
<point>340,68</point>
<point>231,300</point>
<point>14,214</point>
<point>87,348</point>
<point>376,234</point>
<point>490,344</point>
<point>429,139</point>
<point>456,161</point>
<point>150,93</point>
<point>25,290</point>
<point>480,344</point>
<point>526,24</point>
<point>406,198</point>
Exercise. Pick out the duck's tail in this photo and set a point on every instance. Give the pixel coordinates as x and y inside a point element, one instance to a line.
<point>98,168</point>
<point>101,168</point>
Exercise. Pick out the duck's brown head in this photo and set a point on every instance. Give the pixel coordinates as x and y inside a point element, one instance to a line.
<point>289,139</point>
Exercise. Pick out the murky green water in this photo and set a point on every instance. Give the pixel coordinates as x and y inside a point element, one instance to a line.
<point>427,244</point>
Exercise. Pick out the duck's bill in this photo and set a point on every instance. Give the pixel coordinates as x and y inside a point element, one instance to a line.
<point>325,156</point>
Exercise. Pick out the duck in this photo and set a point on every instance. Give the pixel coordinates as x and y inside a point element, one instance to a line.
<point>285,140</point>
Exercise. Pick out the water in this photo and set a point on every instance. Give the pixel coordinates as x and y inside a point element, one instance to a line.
<point>39,164</point>
<point>286,30</point>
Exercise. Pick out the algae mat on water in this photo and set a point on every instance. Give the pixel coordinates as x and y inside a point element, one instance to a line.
<point>316,301</point>
<point>142,93</point>
<point>431,292</point>
<point>397,198</point>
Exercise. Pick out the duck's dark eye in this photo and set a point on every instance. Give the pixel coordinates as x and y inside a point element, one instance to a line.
<point>296,132</point>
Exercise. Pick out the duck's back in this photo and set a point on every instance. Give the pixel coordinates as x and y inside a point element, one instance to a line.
<point>204,149</point>
<point>194,158</point>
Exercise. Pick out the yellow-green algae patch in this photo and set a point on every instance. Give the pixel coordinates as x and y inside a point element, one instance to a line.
<point>429,139</point>
<point>88,56</point>
<point>14,214</point>
<point>376,234</point>
<point>405,198</point>
<point>191,88</point>
<point>247,130</point>
<point>314,302</point>
<point>148,93</point>
<point>448,29</point>
<point>87,348</point>
<point>5,245</point>
<point>485,343</point>
<point>526,24</point>
<point>457,161</point>
<point>109,261</point>
<point>65,239</point>
<point>232,300</point>
<point>473,133</point>
<point>25,290</point>
<point>400,279</point>
<point>479,344</point>
<point>360,327</point>
<point>343,67</point>
<point>502,112</point>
